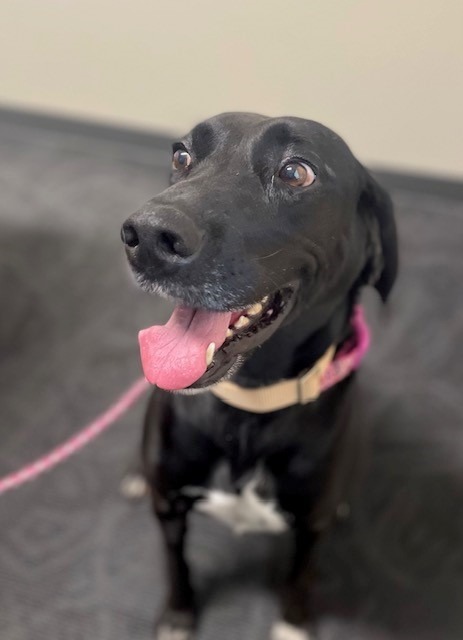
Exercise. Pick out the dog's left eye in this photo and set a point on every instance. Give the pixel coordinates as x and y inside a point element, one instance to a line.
<point>181,160</point>
<point>297,174</point>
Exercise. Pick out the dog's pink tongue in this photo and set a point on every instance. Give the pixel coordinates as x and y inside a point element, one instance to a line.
<point>174,355</point>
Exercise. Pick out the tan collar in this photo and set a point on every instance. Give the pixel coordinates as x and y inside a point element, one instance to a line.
<point>301,390</point>
<point>325,373</point>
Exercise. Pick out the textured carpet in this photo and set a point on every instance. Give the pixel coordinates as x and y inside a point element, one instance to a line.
<point>77,561</point>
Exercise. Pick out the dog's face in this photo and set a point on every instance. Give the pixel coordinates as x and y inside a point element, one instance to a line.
<point>264,217</point>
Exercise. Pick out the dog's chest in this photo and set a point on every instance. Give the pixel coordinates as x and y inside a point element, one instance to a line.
<point>241,492</point>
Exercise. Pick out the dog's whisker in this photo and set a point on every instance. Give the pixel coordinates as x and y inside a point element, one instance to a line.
<point>270,255</point>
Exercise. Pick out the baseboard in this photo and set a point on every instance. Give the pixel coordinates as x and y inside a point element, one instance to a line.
<point>152,141</point>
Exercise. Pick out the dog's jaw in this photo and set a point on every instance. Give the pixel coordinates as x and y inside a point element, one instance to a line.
<point>249,328</point>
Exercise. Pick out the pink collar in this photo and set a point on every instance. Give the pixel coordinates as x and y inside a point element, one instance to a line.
<point>330,369</point>
<point>351,354</point>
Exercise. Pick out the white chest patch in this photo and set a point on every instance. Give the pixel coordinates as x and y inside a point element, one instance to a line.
<point>245,512</point>
<point>284,631</point>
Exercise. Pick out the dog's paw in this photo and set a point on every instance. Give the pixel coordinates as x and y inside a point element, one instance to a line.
<point>284,631</point>
<point>175,625</point>
<point>133,486</point>
<point>168,632</point>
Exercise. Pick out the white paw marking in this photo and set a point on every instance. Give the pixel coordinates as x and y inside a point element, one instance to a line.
<point>133,486</point>
<point>168,632</point>
<point>284,631</point>
<point>243,513</point>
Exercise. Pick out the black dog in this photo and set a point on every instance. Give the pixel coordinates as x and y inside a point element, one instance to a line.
<point>264,239</point>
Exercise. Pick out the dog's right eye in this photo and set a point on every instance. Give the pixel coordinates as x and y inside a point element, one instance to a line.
<point>181,160</point>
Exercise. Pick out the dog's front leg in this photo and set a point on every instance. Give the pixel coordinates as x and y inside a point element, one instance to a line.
<point>295,592</point>
<point>295,595</point>
<point>167,471</point>
<point>178,618</point>
<point>177,462</point>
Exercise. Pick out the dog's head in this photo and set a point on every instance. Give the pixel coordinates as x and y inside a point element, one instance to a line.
<point>264,217</point>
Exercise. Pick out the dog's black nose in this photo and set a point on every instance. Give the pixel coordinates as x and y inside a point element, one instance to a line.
<point>167,236</point>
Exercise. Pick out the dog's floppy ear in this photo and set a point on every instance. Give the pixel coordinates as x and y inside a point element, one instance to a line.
<point>375,207</point>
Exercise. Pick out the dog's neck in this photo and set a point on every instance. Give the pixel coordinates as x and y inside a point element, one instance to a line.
<point>296,347</point>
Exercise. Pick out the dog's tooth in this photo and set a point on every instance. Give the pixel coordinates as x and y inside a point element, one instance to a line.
<point>255,310</point>
<point>229,333</point>
<point>264,300</point>
<point>210,353</point>
<point>269,312</point>
<point>241,322</point>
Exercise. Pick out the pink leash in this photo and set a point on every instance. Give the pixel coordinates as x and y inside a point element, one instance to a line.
<point>77,442</point>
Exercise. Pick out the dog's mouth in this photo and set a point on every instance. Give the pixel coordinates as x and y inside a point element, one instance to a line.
<point>199,347</point>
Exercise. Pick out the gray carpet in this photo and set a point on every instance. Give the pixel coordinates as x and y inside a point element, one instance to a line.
<point>77,561</point>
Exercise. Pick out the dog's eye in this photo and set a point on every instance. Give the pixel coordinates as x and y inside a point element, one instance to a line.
<point>297,174</point>
<point>181,160</point>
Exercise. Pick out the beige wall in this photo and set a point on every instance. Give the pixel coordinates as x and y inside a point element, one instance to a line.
<point>386,74</point>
